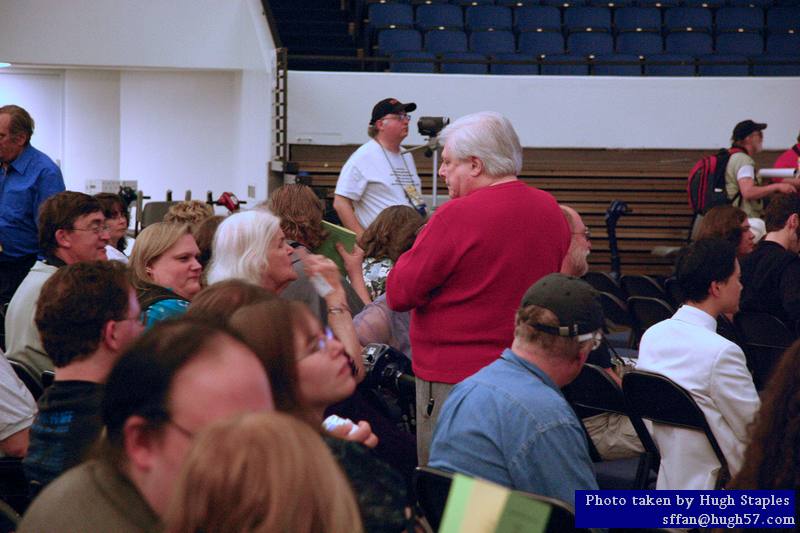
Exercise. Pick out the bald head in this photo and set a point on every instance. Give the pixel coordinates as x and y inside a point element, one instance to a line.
<point>575,263</point>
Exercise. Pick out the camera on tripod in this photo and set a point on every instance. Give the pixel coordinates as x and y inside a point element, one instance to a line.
<point>431,126</point>
<point>389,384</point>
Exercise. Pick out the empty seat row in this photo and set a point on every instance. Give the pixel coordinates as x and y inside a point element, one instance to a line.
<point>586,43</point>
<point>602,65</point>
<point>546,18</point>
<point>599,3</point>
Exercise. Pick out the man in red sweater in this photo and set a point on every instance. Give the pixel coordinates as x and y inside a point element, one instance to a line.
<point>471,264</point>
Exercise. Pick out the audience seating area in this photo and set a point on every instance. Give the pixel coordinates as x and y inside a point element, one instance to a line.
<point>622,38</point>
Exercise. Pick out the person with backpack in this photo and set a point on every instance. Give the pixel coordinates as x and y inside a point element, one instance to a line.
<point>742,186</point>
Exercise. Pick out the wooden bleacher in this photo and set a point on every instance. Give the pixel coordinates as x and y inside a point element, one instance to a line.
<point>652,182</point>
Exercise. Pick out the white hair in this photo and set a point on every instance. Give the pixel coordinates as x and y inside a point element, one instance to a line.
<point>488,136</point>
<point>240,246</point>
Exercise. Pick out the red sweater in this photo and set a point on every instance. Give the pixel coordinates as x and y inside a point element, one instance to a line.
<point>466,274</point>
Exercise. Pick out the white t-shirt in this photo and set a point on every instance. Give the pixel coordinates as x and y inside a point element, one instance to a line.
<point>373,178</point>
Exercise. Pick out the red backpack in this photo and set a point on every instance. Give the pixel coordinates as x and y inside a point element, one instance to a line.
<point>706,184</point>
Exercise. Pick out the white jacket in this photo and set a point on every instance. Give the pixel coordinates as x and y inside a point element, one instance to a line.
<point>687,349</point>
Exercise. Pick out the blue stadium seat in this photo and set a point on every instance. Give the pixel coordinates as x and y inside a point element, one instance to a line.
<point>658,3</point>
<point>590,43</point>
<point>550,68</point>
<point>467,3</point>
<point>391,41</point>
<point>587,19</point>
<point>544,43</point>
<point>783,19</point>
<point>430,2</point>
<point>517,3</point>
<point>515,70</point>
<point>750,3</point>
<point>479,18</point>
<point>464,68</point>
<point>722,65</point>
<point>688,42</point>
<point>688,19</point>
<point>704,3</point>
<point>439,16</point>
<point>564,3</point>
<point>783,43</point>
<point>390,16</point>
<point>441,41</point>
<point>492,42</point>
<point>637,19</point>
<point>743,44</point>
<point>537,18</point>
<point>641,43</point>
<point>425,64</point>
<point>740,19</point>
<point>763,67</point>
<point>610,3</point>
<point>785,3</point>
<point>632,68</point>
<point>684,68</point>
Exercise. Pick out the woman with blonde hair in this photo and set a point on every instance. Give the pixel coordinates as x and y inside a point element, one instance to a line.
<point>165,270</point>
<point>262,473</point>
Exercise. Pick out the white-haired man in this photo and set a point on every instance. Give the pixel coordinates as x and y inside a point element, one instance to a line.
<point>470,265</point>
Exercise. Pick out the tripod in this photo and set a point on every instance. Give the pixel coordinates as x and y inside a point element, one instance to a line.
<point>432,150</point>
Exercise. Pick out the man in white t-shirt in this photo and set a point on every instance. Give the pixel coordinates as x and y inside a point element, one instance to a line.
<point>741,183</point>
<point>377,175</point>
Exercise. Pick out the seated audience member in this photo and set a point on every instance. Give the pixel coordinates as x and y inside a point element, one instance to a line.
<point>729,223</point>
<point>72,228</point>
<point>300,212</point>
<point>250,245</point>
<point>175,380</point>
<point>250,474</point>
<point>509,422</point>
<point>17,409</point>
<point>87,315</point>
<point>687,350</point>
<point>771,274</point>
<point>285,334</point>
<point>613,434</point>
<point>790,158</point>
<point>389,236</point>
<point>117,219</point>
<point>771,461</point>
<point>204,235</point>
<point>192,212</point>
<point>165,270</point>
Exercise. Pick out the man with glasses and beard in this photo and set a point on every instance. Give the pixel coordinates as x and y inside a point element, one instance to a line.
<point>377,175</point>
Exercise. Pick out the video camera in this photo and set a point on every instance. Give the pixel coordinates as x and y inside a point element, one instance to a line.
<point>390,383</point>
<point>431,126</point>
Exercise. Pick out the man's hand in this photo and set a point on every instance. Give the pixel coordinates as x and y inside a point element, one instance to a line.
<point>786,188</point>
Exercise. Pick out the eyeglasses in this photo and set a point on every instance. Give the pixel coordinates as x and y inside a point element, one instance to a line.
<point>586,233</point>
<point>97,229</point>
<point>596,337</point>
<point>182,430</point>
<point>399,116</point>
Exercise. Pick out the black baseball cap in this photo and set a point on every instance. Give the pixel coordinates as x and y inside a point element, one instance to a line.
<point>574,302</point>
<point>745,128</point>
<point>388,106</point>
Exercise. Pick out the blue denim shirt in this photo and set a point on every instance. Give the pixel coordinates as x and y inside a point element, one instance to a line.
<point>27,182</point>
<point>510,424</point>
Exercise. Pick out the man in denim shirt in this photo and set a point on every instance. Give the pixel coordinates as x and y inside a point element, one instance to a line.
<point>27,178</point>
<point>509,422</point>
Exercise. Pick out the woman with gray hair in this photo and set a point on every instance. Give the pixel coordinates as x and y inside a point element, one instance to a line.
<point>251,246</point>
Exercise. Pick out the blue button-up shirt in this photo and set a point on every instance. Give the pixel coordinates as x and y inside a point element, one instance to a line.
<point>510,424</point>
<point>27,182</point>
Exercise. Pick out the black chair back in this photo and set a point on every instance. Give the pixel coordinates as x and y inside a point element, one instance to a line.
<point>615,310</point>
<point>433,487</point>
<point>658,398</point>
<point>641,285</point>
<point>674,292</point>
<point>594,392</point>
<point>765,339</point>
<point>646,312</point>
<point>28,377</point>
<point>603,282</point>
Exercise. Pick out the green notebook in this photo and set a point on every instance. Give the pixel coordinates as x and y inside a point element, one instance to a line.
<point>328,246</point>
